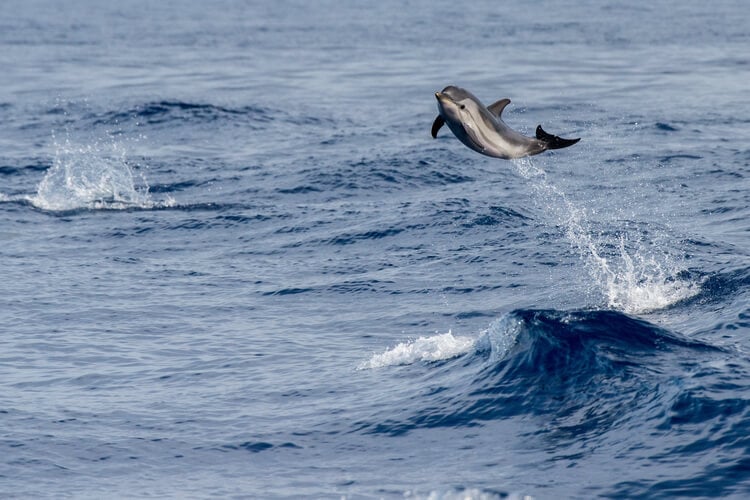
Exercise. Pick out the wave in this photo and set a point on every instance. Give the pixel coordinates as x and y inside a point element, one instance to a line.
<point>718,287</point>
<point>465,494</point>
<point>257,446</point>
<point>587,370</point>
<point>175,111</point>
<point>160,112</point>
<point>13,171</point>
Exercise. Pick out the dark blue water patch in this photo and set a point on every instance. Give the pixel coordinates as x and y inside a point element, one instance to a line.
<point>718,171</point>
<point>220,221</point>
<point>188,184</point>
<point>346,288</point>
<point>288,291</point>
<point>351,238</point>
<point>708,424</point>
<point>10,170</point>
<point>469,214</point>
<point>347,238</point>
<point>665,127</point>
<point>696,405</point>
<point>499,217</point>
<point>375,174</point>
<point>716,287</point>
<point>475,314</point>
<point>299,190</point>
<point>238,220</point>
<point>259,446</point>
<point>722,209</point>
<point>471,289</point>
<point>586,371</point>
<point>177,186</point>
<point>200,207</point>
<point>675,157</point>
<point>360,286</point>
<point>177,112</point>
<point>718,481</point>
<point>169,111</point>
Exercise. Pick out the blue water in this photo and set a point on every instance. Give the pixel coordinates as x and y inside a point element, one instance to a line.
<point>234,263</point>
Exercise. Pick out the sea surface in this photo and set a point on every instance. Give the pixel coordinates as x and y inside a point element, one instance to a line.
<point>235,264</point>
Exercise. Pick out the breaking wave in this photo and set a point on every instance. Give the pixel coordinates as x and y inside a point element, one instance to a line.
<point>435,348</point>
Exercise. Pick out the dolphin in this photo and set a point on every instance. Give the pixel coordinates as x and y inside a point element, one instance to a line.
<point>483,129</point>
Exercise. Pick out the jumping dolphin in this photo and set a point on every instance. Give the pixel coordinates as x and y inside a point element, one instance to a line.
<point>483,129</point>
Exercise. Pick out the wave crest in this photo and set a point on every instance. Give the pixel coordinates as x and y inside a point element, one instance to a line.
<point>435,348</point>
<point>587,370</point>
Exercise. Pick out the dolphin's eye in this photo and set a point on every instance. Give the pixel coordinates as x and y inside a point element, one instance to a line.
<point>463,106</point>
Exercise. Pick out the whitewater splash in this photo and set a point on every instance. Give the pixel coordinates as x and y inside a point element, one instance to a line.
<point>497,339</point>
<point>465,494</point>
<point>96,175</point>
<point>436,348</point>
<point>634,279</point>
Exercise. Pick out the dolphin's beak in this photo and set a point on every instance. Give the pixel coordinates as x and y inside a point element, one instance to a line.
<point>441,97</point>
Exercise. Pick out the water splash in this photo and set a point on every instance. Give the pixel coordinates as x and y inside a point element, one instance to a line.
<point>500,337</point>
<point>435,348</point>
<point>497,340</point>
<point>641,283</point>
<point>464,494</point>
<point>639,279</point>
<point>95,175</point>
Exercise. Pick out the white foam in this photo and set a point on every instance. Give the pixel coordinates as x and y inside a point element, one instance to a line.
<point>464,494</point>
<point>642,284</point>
<point>435,348</point>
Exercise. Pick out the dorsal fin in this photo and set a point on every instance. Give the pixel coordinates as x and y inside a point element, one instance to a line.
<point>497,108</point>
<point>439,122</point>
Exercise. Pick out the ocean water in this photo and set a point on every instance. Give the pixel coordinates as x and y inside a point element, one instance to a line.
<point>235,264</point>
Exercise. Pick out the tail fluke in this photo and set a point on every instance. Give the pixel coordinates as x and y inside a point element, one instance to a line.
<point>552,141</point>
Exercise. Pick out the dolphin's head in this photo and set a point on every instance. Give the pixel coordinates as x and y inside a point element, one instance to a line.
<point>452,102</point>
<point>465,116</point>
<point>457,93</point>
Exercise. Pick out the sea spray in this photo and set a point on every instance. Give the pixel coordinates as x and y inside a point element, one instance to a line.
<point>95,174</point>
<point>497,340</point>
<point>638,279</point>
<point>434,348</point>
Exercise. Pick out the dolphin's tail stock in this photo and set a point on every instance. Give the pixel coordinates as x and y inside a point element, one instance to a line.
<point>552,141</point>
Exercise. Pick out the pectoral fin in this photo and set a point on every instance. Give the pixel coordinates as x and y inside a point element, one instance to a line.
<point>497,108</point>
<point>439,122</point>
